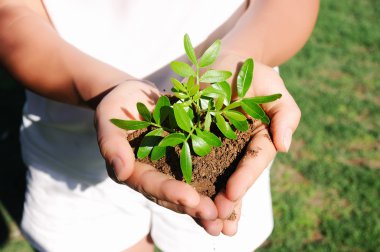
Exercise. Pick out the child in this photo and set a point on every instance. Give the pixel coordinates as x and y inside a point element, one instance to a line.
<point>106,54</point>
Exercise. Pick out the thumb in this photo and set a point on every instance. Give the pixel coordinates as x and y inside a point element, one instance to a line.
<point>114,148</point>
<point>285,116</point>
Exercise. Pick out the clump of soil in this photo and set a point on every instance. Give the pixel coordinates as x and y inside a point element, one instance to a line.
<point>211,172</point>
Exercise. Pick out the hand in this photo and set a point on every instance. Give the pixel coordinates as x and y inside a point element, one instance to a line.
<point>121,164</point>
<point>285,116</point>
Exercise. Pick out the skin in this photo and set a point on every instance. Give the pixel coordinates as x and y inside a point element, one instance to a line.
<point>270,31</point>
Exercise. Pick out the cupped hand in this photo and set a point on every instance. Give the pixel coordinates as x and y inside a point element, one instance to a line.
<point>266,141</point>
<point>178,196</point>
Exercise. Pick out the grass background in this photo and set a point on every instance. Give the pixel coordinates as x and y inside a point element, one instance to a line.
<point>326,191</point>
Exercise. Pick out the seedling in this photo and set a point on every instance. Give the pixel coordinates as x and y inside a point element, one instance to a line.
<point>186,121</point>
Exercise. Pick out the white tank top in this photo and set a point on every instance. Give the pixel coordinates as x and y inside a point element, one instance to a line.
<point>140,37</point>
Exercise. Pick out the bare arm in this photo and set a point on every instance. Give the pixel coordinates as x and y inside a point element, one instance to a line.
<point>272,31</point>
<point>35,54</point>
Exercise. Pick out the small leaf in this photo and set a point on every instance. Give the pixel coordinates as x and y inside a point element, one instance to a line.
<point>211,91</point>
<point>158,153</point>
<point>219,103</point>
<point>164,114</point>
<point>226,88</point>
<point>224,127</point>
<point>212,76</point>
<point>130,124</point>
<point>172,140</point>
<point>150,140</point>
<point>244,78</point>
<point>144,112</point>
<point>182,69</point>
<point>163,101</point>
<point>207,123</point>
<point>254,110</point>
<point>189,112</point>
<point>189,49</point>
<point>178,85</point>
<point>209,137</point>
<point>233,105</point>
<point>194,90</point>
<point>182,118</point>
<point>239,125</point>
<point>190,83</point>
<point>172,121</point>
<point>200,146</point>
<point>210,55</point>
<point>264,99</point>
<point>185,162</point>
<point>235,115</point>
<point>180,95</point>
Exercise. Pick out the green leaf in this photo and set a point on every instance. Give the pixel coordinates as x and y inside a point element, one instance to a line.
<point>254,110</point>
<point>189,112</point>
<point>219,103</point>
<point>210,55</point>
<point>194,90</point>
<point>172,121</point>
<point>180,95</point>
<point>163,101</point>
<point>233,105</point>
<point>244,78</point>
<point>239,125</point>
<point>209,137</point>
<point>264,99</point>
<point>224,127</point>
<point>190,83</point>
<point>189,49</point>
<point>212,76</point>
<point>182,118</point>
<point>150,140</point>
<point>185,162</point>
<point>207,123</point>
<point>182,69</point>
<point>226,89</point>
<point>178,85</point>
<point>172,140</point>
<point>211,91</point>
<point>200,146</point>
<point>144,112</point>
<point>235,115</point>
<point>130,124</point>
<point>158,153</point>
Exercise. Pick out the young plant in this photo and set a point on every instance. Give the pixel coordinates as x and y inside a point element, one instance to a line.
<point>186,121</point>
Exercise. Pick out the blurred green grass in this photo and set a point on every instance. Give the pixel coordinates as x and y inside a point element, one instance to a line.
<point>326,191</point>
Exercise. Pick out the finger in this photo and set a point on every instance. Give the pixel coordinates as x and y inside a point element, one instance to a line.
<point>285,116</point>
<point>160,187</point>
<point>224,205</point>
<point>205,210</point>
<point>115,149</point>
<point>212,227</point>
<point>260,152</point>
<point>230,225</point>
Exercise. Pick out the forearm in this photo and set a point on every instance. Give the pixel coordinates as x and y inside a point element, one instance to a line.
<point>272,31</point>
<point>35,54</point>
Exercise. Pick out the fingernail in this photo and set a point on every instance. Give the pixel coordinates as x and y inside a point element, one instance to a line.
<point>287,139</point>
<point>117,166</point>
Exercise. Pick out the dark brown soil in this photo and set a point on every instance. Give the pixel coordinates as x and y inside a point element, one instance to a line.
<point>211,172</point>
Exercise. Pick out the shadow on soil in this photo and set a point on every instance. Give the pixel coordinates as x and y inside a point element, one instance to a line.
<point>12,169</point>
